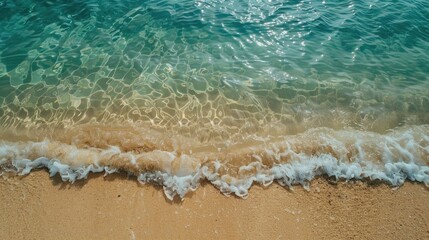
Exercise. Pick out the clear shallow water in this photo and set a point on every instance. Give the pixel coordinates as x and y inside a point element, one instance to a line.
<point>230,91</point>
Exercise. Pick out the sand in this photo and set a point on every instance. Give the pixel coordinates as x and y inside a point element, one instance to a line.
<point>117,207</point>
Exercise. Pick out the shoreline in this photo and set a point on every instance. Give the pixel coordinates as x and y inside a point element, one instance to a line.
<point>115,207</point>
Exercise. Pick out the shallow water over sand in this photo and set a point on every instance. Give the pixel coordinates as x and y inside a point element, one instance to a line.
<point>234,92</point>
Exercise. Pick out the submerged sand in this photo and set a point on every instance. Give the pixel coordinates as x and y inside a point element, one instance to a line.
<point>117,207</point>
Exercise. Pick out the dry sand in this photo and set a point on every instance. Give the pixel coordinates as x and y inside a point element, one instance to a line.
<point>114,207</point>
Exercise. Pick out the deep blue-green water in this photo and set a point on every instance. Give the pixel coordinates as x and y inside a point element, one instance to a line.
<point>223,89</point>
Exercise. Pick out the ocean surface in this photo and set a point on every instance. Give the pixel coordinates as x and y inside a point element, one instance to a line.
<point>236,92</point>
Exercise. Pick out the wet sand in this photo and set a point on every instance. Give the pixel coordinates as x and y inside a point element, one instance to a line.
<point>115,207</point>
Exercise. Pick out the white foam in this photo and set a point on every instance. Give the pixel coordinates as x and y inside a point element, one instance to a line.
<point>172,185</point>
<point>299,172</point>
<point>392,158</point>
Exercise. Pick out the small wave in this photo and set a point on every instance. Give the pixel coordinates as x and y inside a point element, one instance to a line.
<point>395,157</point>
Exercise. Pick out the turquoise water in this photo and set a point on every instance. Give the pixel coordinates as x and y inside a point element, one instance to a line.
<point>229,91</point>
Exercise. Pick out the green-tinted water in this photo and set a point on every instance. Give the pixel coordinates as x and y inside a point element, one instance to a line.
<point>217,80</point>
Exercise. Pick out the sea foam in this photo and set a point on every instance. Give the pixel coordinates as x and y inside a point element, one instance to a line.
<point>340,155</point>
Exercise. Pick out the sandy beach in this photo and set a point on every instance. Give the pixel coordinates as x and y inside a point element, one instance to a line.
<point>206,98</point>
<point>117,207</point>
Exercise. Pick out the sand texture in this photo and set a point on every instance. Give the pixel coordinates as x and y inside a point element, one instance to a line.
<point>115,207</point>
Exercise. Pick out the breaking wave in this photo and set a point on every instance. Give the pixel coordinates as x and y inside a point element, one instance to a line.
<point>394,157</point>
